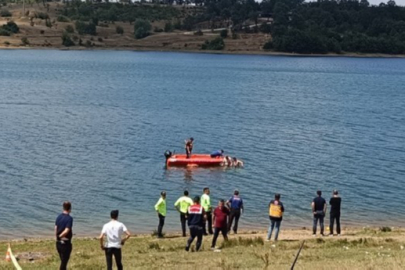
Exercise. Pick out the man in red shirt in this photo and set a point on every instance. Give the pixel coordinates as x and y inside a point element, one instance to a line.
<point>220,222</point>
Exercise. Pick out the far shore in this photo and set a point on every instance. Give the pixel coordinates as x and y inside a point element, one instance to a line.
<point>227,52</point>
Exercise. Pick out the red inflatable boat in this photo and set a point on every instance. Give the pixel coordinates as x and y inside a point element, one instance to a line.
<point>196,160</point>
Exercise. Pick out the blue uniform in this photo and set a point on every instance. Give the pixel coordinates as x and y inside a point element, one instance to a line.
<point>217,153</point>
<point>236,202</point>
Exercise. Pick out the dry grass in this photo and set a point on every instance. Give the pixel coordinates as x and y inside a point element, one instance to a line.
<point>357,249</point>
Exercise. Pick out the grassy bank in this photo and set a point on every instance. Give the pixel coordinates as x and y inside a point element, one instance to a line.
<point>355,249</point>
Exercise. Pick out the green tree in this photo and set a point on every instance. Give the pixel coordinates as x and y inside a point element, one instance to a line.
<point>224,33</point>
<point>142,28</point>
<point>67,41</point>
<point>119,30</point>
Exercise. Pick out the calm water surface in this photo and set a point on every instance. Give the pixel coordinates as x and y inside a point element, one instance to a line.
<point>92,126</point>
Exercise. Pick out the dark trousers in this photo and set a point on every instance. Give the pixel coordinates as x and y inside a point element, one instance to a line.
<point>224,232</point>
<point>109,252</point>
<point>235,214</point>
<point>316,218</point>
<point>195,231</point>
<point>160,226</point>
<point>334,217</point>
<point>64,250</point>
<point>183,220</point>
<point>209,221</point>
<point>188,152</point>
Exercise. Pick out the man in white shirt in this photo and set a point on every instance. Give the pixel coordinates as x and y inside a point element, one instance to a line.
<point>113,232</point>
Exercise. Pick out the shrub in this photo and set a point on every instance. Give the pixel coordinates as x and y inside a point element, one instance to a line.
<point>198,33</point>
<point>42,32</point>
<point>157,30</point>
<point>385,229</point>
<point>66,40</point>
<point>141,28</point>
<point>69,28</point>
<point>4,32</point>
<point>25,41</point>
<point>268,45</point>
<point>88,43</point>
<point>6,43</point>
<point>42,15</point>
<point>168,27</point>
<point>11,27</point>
<point>48,23</point>
<point>5,13</point>
<point>119,30</point>
<point>215,44</point>
<point>100,39</point>
<point>224,33</point>
<point>62,18</point>
<point>84,28</point>
<point>103,24</point>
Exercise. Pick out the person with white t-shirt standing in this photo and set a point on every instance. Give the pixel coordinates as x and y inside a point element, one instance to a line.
<point>113,232</point>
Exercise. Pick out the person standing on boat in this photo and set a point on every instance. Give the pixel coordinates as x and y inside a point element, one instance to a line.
<point>196,217</point>
<point>182,205</point>
<point>206,204</point>
<point>63,232</point>
<point>319,210</point>
<point>235,203</point>
<point>160,208</point>
<point>335,202</point>
<point>189,146</point>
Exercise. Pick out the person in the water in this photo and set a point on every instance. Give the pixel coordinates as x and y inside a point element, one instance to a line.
<point>189,146</point>
<point>236,162</point>
<point>217,153</point>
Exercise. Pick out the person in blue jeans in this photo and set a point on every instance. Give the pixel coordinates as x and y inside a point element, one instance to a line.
<point>276,210</point>
<point>319,210</point>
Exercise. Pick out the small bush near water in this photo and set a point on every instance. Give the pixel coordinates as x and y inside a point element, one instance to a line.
<point>215,44</point>
<point>5,13</point>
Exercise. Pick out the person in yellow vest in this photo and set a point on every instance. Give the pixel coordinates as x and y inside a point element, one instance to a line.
<point>160,208</point>
<point>276,210</point>
<point>182,205</point>
<point>206,204</point>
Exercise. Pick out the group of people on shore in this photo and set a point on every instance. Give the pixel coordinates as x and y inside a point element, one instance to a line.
<point>200,217</point>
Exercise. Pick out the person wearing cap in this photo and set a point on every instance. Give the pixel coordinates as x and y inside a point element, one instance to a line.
<point>217,153</point>
<point>63,232</point>
<point>181,206</point>
<point>196,217</point>
<point>189,146</point>
<point>319,210</point>
<point>235,203</point>
<point>112,232</point>
<point>206,204</point>
<point>160,208</point>
<point>335,203</point>
<point>276,210</point>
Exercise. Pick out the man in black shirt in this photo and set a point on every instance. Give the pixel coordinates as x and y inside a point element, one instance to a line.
<point>63,232</point>
<point>318,209</point>
<point>335,202</point>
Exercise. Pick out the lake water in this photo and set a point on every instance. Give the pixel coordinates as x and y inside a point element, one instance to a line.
<point>91,127</point>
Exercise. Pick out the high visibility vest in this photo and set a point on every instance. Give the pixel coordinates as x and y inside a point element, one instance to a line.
<point>275,210</point>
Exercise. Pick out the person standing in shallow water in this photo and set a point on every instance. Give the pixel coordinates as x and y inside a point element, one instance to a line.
<point>189,146</point>
<point>276,210</point>
<point>160,208</point>
<point>319,210</point>
<point>335,203</point>
<point>113,232</point>
<point>63,232</point>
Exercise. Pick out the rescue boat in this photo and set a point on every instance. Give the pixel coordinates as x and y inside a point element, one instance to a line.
<point>195,160</point>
